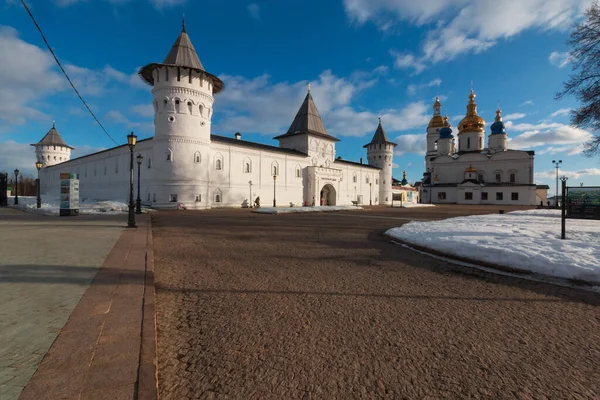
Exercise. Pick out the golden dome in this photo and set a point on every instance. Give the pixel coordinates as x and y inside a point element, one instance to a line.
<point>471,169</point>
<point>437,121</point>
<point>471,122</point>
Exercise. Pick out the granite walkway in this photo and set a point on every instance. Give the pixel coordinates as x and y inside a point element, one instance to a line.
<point>72,293</point>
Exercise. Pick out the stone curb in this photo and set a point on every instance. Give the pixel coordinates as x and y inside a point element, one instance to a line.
<point>486,264</point>
<point>148,369</point>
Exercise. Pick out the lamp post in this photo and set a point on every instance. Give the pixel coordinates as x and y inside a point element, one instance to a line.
<point>250,195</point>
<point>38,165</point>
<point>274,201</point>
<point>16,187</point>
<point>370,194</point>
<point>138,201</point>
<point>131,140</point>
<point>563,207</point>
<point>556,163</point>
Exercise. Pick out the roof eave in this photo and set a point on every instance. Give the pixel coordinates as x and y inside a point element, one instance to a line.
<point>145,73</point>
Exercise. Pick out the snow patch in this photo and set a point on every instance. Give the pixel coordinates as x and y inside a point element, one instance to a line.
<point>526,240</point>
<point>288,210</point>
<point>51,206</point>
<point>414,205</point>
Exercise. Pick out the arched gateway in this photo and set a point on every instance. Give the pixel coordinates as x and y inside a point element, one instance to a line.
<point>328,195</point>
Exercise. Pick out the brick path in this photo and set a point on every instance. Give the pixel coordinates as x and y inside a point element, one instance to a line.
<point>320,306</point>
<point>46,264</point>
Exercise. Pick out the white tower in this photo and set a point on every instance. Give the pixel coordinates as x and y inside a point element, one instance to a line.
<point>52,149</point>
<point>183,107</point>
<point>433,132</point>
<point>446,140</point>
<point>498,140</point>
<point>471,130</point>
<point>380,152</point>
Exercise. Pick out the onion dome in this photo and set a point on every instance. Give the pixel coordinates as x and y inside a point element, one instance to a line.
<point>498,126</point>
<point>471,122</point>
<point>471,169</point>
<point>446,131</point>
<point>437,121</point>
<point>404,181</point>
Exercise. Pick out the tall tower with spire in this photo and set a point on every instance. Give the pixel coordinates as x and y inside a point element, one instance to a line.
<point>498,139</point>
<point>52,149</point>
<point>433,129</point>
<point>183,107</point>
<point>380,152</point>
<point>471,129</point>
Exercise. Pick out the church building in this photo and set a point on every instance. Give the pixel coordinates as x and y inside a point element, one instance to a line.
<point>184,163</point>
<point>468,172</point>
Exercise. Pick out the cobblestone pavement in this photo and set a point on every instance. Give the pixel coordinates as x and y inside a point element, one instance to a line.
<point>46,264</point>
<point>319,306</point>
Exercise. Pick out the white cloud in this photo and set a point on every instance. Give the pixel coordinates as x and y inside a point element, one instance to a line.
<point>514,116</point>
<point>406,61</point>
<point>547,134</point>
<point>118,118</point>
<point>143,110</point>
<point>561,112</point>
<point>19,156</point>
<point>411,143</point>
<point>569,150</point>
<point>527,103</point>
<point>274,106</point>
<point>559,59</point>
<point>254,11</point>
<point>551,174</point>
<point>84,150</point>
<point>463,26</point>
<point>414,88</point>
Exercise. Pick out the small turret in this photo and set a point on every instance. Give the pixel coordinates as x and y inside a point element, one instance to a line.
<point>498,139</point>
<point>52,149</point>
<point>433,129</point>
<point>446,140</point>
<point>380,152</point>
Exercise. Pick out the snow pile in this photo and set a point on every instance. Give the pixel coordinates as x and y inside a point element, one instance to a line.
<point>288,210</point>
<point>525,240</point>
<point>413,205</point>
<point>51,206</point>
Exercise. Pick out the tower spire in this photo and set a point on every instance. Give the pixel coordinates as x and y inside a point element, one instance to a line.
<point>183,23</point>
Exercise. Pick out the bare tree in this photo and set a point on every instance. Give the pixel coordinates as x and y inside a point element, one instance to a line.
<point>584,83</point>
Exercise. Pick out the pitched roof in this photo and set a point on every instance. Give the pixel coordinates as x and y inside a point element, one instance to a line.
<point>53,138</point>
<point>183,53</point>
<point>260,146</point>
<point>307,120</point>
<point>380,136</point>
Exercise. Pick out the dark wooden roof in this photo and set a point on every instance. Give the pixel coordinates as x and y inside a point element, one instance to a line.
<point>380,137</point>
<point>53,138</point>
<point>307,121</point>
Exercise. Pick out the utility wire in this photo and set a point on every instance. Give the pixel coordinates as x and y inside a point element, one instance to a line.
<point>65,73</point>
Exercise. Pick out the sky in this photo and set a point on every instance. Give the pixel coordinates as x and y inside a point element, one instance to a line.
<point>364,59</point>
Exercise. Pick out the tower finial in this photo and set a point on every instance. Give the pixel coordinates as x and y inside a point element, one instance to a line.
<point>380,119</point>
<point>183,23</point>
<point>309,87</point>
<point>471,85</point>
<point>53,124</point>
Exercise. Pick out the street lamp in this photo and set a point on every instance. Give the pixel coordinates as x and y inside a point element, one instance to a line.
<point>138,201</point>
<point>16,187</point>
<point>250,197</point>
<point>131,140</point>
<point>556,164</point>
<point>38,165</point>
<point>274,202</point>
<point>563,207</point>
<point>370,194</point>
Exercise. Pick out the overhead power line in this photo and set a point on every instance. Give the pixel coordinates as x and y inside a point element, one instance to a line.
<point>65,72</point>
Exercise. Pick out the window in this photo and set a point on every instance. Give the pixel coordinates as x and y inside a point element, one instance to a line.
<point>177,105</point>
<point>468,195</point>
<point>480,143</point>
<point>149,162</point>
<point>169,156</point>
<point>367,179</point>
<point>441,195</point>
<point>219,165</point>
<point>499,196</point>
<point>480,178</point>
<point>201,108</point>
<point>484,196</point>
<point>54,147</point>
<point>514,196</point>
<point>354,178</point>
<point>173,198</point>
<point>297,172</point>
<point>247,167</point>
<point>198,198</point>
<point>189,104</point>
<point>197,157</point>
<point>54,158</point>
<point>217,198</point>
<point>498,178</point>
<point>512,178</point>
<point>154,197</point>
<point>274,169</point>
<point>468,143</point>
<point>148,196</point>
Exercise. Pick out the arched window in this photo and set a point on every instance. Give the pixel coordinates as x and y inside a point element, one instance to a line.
<point>197,157</point>
<point>219,165</point>
<point>297,172</point>
<point>274,168</point>
<point>177,105</point>
<point>498,178</point>
<point>247,167</point>
<point>201,109</point>
<point>367,179</point>
<point>169,155</point>
<point>354,178</point>
<point>480,143</point>
<point>189,104</point>
<point>217,198</point>
<point>468,143</point>
<point>513,178</point>
<point>149,162</point>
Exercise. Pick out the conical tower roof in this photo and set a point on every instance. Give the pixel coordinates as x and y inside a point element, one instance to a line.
<point>52,138</point>
<point>182,54</point>
<point>308,120</point>
<point>380,137</point>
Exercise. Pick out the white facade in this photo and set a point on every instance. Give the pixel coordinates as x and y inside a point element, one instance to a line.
<point>475,174</point>
<point>185,164</point>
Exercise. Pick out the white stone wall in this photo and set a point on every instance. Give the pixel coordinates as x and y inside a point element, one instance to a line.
<point>52,155</point>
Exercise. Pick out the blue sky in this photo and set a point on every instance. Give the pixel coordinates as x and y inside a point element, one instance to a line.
<point>363,58</point>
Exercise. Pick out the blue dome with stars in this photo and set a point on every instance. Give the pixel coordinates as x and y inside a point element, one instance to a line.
<point>498,127</point>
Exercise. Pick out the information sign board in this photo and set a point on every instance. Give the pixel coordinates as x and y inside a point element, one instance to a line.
<point>69,194</point>
<point>583,202</point>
